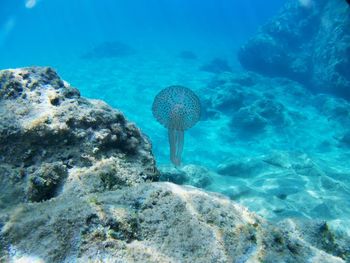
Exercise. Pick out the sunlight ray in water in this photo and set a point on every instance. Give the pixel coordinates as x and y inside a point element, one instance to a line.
<point>306,3</point>
<point>31,3</point>
<point>6,29</point>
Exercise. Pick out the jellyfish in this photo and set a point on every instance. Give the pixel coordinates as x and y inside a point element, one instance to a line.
<point>177,108</point>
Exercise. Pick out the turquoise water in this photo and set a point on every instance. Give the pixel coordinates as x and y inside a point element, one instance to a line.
<point>57,33</point>
<point>310,172</point>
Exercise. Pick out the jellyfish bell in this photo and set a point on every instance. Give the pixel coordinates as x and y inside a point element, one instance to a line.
<point>177,108</point>
<point>177,115</point>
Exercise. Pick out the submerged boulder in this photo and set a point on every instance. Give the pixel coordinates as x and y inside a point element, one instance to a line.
<point>309,43</point>
<point>78,185</point>
<point>153,222</point>
<point>255,104</point>
<point>187,55</point>
<point>53,140</point>
<point>109,49</point>
<point>195,175</point>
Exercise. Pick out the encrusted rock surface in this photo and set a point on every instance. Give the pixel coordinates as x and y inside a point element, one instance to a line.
<point>305,43</point>
<point>190,174</point>
<point>77,184</point>
<point>152,222</point>
<point>51,138</point>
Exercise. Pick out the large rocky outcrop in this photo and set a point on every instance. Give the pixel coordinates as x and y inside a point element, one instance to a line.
<point>51,138</point>
<point>76,182</point>
<point>158,222</point>
<point>309,41</point>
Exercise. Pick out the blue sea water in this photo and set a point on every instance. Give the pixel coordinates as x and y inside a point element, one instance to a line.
<point>58,33</point>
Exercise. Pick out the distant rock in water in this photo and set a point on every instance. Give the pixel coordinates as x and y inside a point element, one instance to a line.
<point>253,102</point>
<point>195,175</point>
<point>217,65</point>
<point>109,50</point>
<point>188,55</point>
<point>308,44</point>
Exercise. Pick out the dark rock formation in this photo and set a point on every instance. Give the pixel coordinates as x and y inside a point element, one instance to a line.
<point>251,101</point>
<point>309,44</point>
<point>112,49</point>
<point>47,131</point>
<point>188,55</point>
<point>318,234</point>
<point>195,175</point>
<point>242,168</point>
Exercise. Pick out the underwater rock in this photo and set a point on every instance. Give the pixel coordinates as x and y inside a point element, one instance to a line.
<point>336,109</point>
<point>306,44</point>
<point>152,222</point>
<point>253,119</point>
<point>236,192</point>
<point>265,56</point>
<point>235,79</point>
<point>248,122</point>
<point>217,65</point>
<point>253,103</point>
<point>112,49</point>
<point>54,140</point>
<point>241,168</point>
<point>188,55</point>
<point>191,174</point>
<point>344,140</point>
<point>44,183</point>
<point>199,176</point>
<point>284,184</point>
<point>172,174</point>
<point>320,235</point>
<point>223,101</point>
<point>226,93</point>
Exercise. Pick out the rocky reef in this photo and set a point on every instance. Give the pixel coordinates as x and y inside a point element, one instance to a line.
<point>307,42</point>
<point>79,184</point>
<point>52,140</point>
<point>287,153</point>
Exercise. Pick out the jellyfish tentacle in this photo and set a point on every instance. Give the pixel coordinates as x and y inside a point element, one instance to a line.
<point>180,136</point>
<point>172,144</point>
<point>176,142</point>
